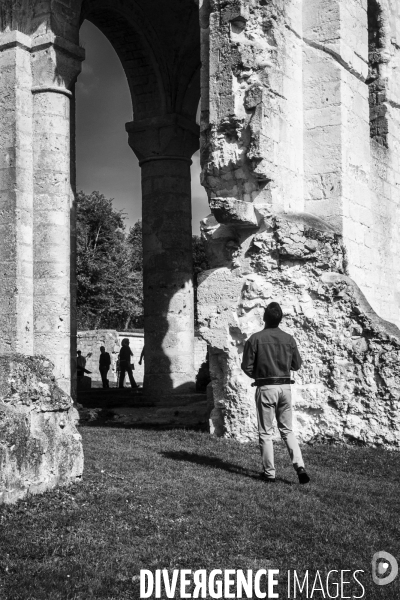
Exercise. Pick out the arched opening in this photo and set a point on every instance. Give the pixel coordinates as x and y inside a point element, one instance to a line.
<point>109,294</point>
<point>128,70</point>
<point>104,160</point>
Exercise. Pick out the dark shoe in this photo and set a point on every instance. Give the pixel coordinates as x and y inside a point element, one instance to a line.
<point>267,479</point>
<point>302,475</point>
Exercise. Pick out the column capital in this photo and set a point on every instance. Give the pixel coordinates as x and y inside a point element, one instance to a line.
<point>56,63</point>
<point>15,39</point>
<point>166,137</point>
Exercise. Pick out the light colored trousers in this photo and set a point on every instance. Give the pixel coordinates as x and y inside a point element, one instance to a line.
<point>276,400</point>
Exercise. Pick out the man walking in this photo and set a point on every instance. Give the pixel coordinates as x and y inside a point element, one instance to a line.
<point>268,357</point>
<point>104,366</point>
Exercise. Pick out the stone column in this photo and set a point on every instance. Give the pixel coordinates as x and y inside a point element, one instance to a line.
<point>16,273</point>
<point>164,147</point>
<point>55,65</point>
<point>73,257</point>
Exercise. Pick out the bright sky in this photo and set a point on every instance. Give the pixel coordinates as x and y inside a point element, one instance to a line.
<point>104,160</point>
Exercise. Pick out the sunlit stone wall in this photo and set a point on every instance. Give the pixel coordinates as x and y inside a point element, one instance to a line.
<point>300,122</point>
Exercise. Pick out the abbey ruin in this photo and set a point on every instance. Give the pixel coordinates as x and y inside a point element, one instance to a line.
<point>299,137</point>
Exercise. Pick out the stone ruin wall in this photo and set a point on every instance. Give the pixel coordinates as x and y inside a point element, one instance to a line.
<point>300,160</point>
<point>351,132</point>
<point>287,122</point>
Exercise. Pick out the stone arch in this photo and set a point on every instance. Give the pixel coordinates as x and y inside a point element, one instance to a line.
<point>161,56</point>
<point>186,75</point>
<point>125,31</point>
<point>191,96</point>
<point>158,44</point>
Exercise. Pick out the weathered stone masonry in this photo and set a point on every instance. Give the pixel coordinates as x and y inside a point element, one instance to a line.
<point>37,199</point>
<point>301,162</point>
<point>349,386</point>
<point>39,444</point>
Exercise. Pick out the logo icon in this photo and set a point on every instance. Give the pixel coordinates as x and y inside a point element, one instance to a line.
<point>384,568</point>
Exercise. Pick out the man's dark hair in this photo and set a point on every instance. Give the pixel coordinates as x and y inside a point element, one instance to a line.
<point>79,352</point>
<point>273,315</point>
<point>102,348</point>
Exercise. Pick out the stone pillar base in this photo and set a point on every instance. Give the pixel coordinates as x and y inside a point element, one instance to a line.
<point>40,446</point>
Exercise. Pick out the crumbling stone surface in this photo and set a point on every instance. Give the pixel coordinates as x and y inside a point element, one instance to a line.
<point>300,112</point>
<point>40,446</point>
<point>348,389</point>
<point>252,128</point>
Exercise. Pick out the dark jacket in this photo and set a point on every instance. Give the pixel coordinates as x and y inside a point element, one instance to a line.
<point>105,360</point>
<point>270,353</point>
<point>125,355</point>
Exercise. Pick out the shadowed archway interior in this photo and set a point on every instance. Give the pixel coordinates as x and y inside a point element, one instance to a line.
<point>159,49</point>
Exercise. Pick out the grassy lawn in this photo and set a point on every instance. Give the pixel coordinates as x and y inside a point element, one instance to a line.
<point>180,499</point>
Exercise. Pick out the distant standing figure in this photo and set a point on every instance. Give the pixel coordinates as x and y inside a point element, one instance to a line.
<point>141,356</point>
<point>104,366</point>
<point>81,364</point>
<point>125,364</point>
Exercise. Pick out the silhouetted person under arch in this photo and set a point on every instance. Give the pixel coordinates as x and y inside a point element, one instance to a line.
<point>81,364</point>
<point>104,366</point>
<point>141,356</point>
<point>125,364</point>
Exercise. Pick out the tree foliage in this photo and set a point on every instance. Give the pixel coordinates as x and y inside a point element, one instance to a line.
<point>110,266</point>
<point>134,240</point>
<point>109,290</point>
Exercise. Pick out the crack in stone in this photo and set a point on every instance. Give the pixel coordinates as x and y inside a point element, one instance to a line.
<point>393,104</point>
<point>332,53</point>
<point>336,57</point>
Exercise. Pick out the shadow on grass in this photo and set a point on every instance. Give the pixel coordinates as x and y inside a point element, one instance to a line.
<point>105,421</point>
<point>217,463</point>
